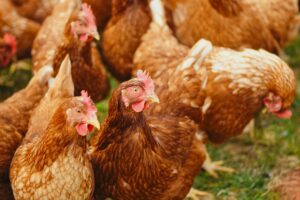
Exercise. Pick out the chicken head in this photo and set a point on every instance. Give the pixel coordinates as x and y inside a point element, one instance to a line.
<point>274,105</point>
<point>8,49</point>
<point>85,27</point>
<point>83,115</point>
<point>138,92</point>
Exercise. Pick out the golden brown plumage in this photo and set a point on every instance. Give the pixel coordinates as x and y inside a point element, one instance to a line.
<point>54,42</point>
<point>15,113</point>
<point>52,163</point>
<point>212,80</point>
<point>122,35</point>
<point>234,23</point>
<point>22,28</point>
<point>137,156</point>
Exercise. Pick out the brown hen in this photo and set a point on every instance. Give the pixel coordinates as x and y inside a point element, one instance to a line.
<point>138,156</point>
<point>220,89</point>
<point>23,29</point>
<point>15,113</point>
<point>122,35</point>
<point>235,23</point>
<point>52,163</point>
<point>69,30</point>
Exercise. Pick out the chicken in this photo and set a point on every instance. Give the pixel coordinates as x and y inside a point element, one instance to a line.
<point>135,156</point>
<point>14,118</point>
<point>38,10</point>
<point>23,29</point>
<point>220,89</point>
<point>8,49</point>
<point>288,185</point>
<point>69,30</point>
<point>236,23</point>
<point>122,35</point>
<point>63,171</point>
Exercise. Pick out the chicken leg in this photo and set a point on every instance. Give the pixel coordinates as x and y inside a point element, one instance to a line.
<point>197,195</point>
<point>250,128</point>
<point>212,166</point>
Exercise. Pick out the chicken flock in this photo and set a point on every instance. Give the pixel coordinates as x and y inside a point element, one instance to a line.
<point>191,72</point>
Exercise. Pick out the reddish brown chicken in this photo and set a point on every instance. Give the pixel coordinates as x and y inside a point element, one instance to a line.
<point>122,35</point>
<point>234,84</point>
<point>52,163</point>
<point>235,23</point>
<point>23,29</point>
<point>137,156</point>
<point>15,113</point>
<point>70,30</point>
<point>8,49</point>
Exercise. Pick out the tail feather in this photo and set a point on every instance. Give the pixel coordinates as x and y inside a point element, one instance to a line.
<point>63,81</point>
<point>196,55</point>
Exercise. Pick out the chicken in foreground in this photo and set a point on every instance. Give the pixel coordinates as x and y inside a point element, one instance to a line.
<point>235,23</point>
<point>135,156</point>
<point>52,163</point>
<point>8,49</point>
<point>220,89</point>
<point>23,29</point>
<point>70,29</point>
<point>14,118</point>
<point>122,35</point>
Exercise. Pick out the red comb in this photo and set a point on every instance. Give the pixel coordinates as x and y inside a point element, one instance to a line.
<point>89,14</point>
<point>11,40</point>
<point>146,79</point>
<point>88,101</point>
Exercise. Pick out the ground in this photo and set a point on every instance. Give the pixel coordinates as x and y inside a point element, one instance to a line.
<point>274,149</point>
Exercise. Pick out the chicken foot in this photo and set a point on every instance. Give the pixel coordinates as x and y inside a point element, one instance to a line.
<point>212,166</point>
<point>197,195</point>
<point>250,128</point>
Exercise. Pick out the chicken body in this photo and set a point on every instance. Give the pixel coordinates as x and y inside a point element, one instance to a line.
<point>51,163</point>
<point>60,172</point>
<point>15,113</point>
<point>144,157</point>
<point>234,23</point>
<point>122,35</point>
<point>22,28</point>
<point>54,42</point>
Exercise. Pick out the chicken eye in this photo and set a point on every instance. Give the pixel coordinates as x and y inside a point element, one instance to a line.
<point>78,110</point>
<point>135,90</point>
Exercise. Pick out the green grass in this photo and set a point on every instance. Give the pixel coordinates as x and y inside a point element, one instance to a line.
<point>274,149</point>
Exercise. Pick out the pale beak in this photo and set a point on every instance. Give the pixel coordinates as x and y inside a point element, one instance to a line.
<point>153,98</point>
<point>95,34</point>
<point>94,122</point>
